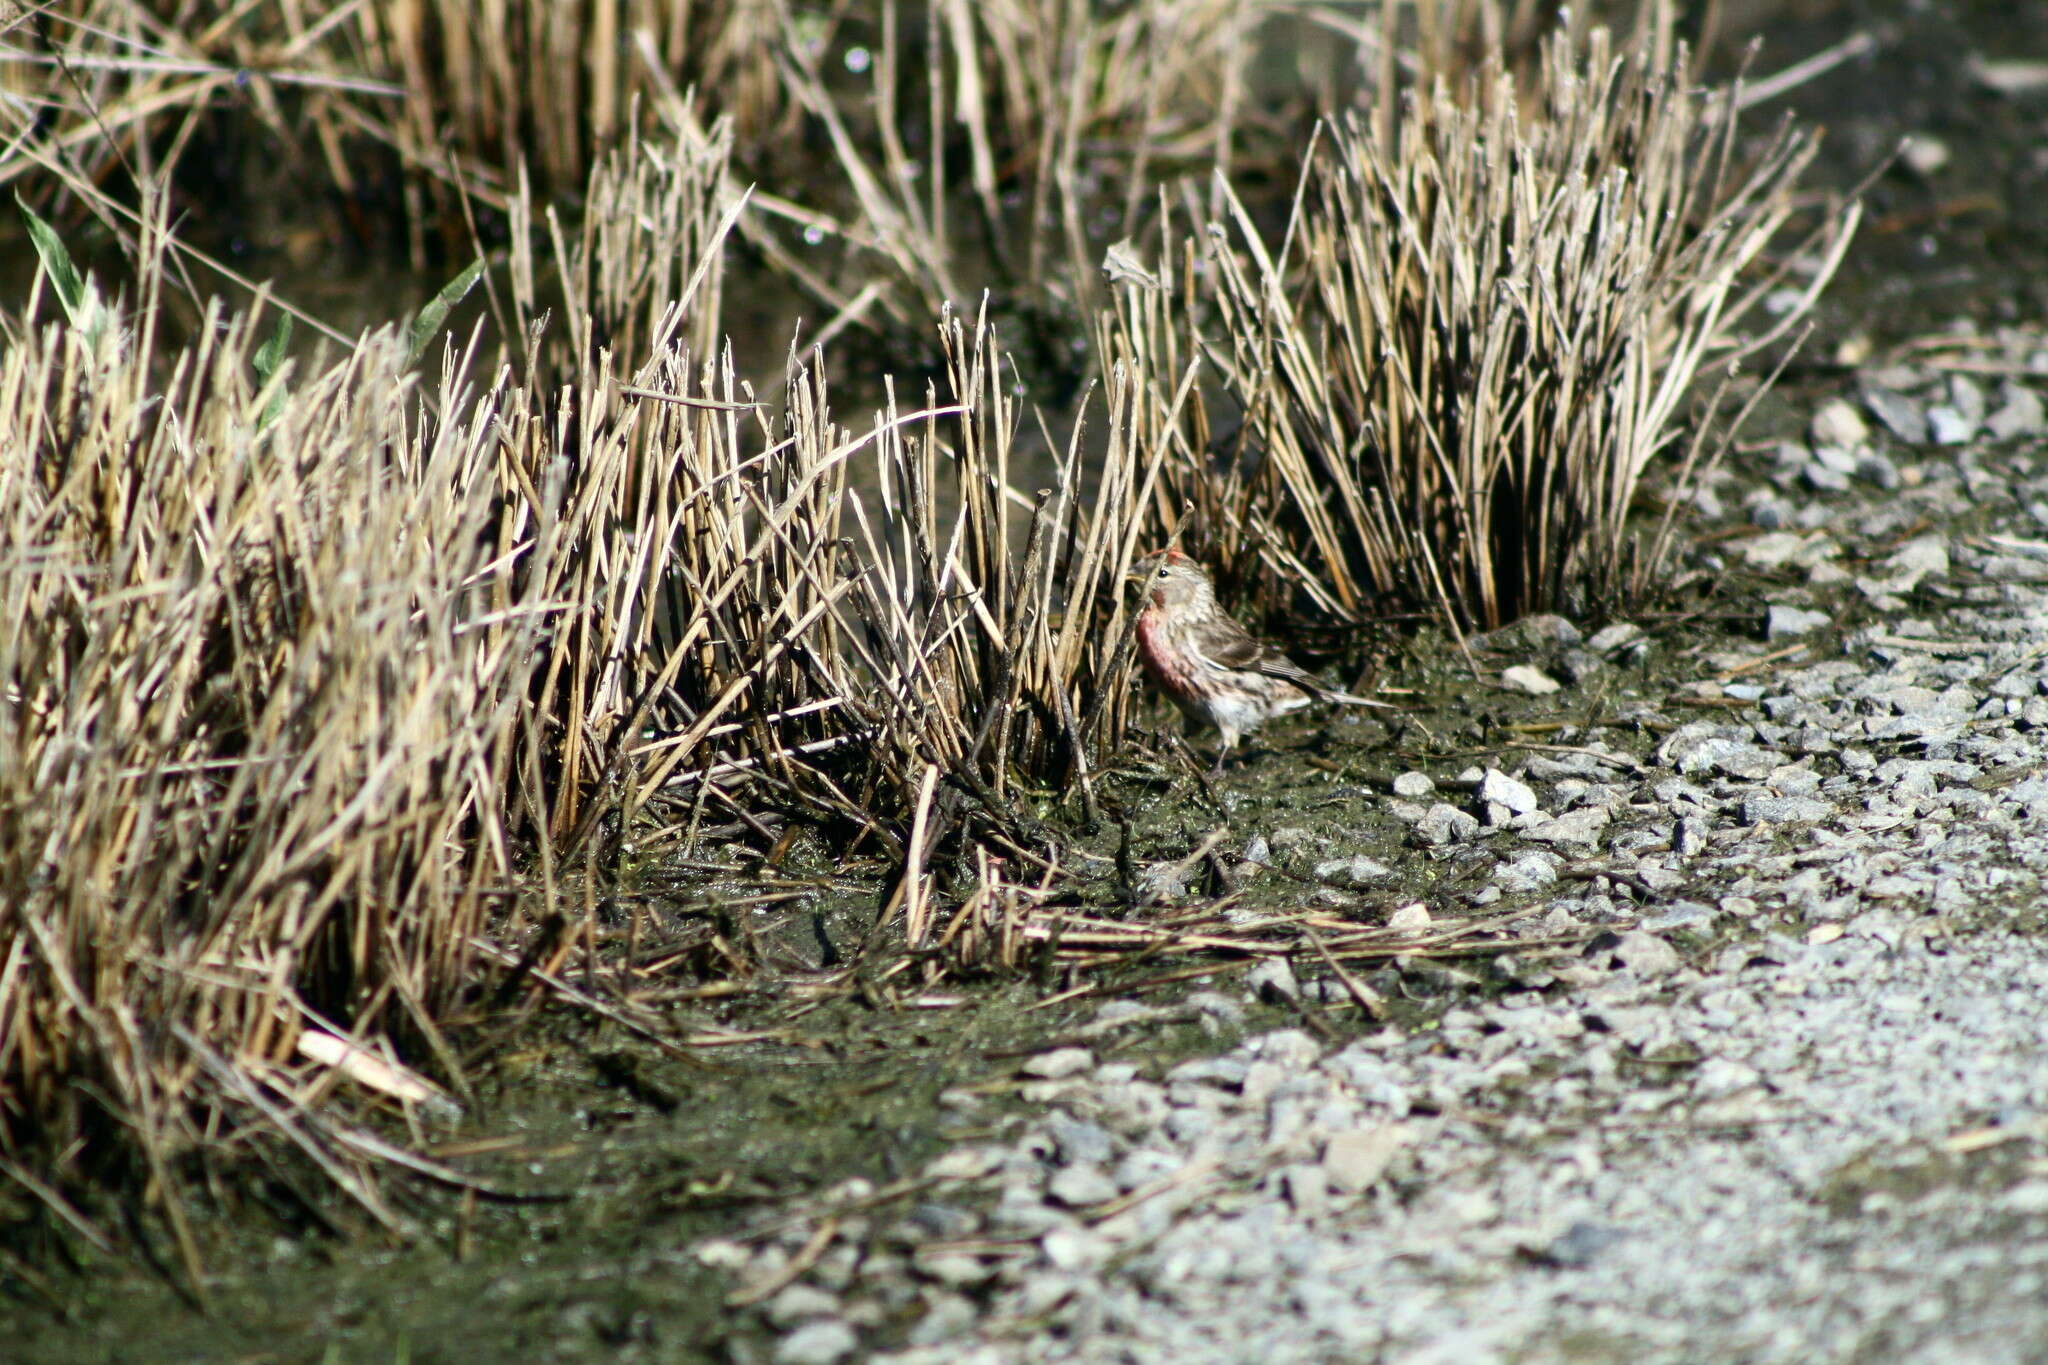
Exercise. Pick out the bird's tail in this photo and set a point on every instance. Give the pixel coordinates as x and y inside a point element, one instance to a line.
<point>1351,699</point>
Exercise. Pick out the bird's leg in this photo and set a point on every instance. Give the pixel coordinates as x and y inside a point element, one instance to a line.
<point>1223,748</point>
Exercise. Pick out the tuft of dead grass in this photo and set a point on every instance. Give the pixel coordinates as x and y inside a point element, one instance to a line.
<point>1482,328</point>
<point>259,677</point>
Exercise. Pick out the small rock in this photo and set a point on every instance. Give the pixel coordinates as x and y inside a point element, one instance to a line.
<point>1949,427</point>
<point>1823,478</point>
<point>1923,153</point>
<point>955,1268</point>
<point>1966,396</point>
<point>1287,1048</point>
<point>1776,549</point>
<point>1163,883</point>
<point>1498,788</point>
<point>1901,416</point>
<point>1541,632</point>
<point>1356,871</point>
<point>1308,1190</point>
<point>1613,638</point>
<point>1075,1249</point>
<point>1534,681</point>
<point>1782,623</point>
<point>1412,918</point>
<point>825,1342</point>
<point>1228,1072</point>
<point>1078,1186</point>
<point>1838,424</point>
<point>1273,980</point>
<point>1878,468</point>
<point>2020,414</point>
<point>1581,826</point>
<point>1356,1159</point>
<point>1720,1077</point>
<point>799,1302</point>
<point>1921,557</point>
<point>1445,824</point>
<point>1059,1063</point>
<point>1080,1142</point>
<point>1578,1247</point>
<point>1646,954</point>
<point>948,1316</point>
<point>1762,810</point>
<point>1532,871</point>
<point>1413,785</point>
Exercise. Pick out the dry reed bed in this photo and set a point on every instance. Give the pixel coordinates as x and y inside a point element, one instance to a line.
<point>966,136</point>
<point>303,677</point>
<point>328,686</point>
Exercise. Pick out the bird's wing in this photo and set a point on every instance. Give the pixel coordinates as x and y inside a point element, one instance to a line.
<point>1274,664</point>
<point>1233,647</point>
<point>1277,665</point>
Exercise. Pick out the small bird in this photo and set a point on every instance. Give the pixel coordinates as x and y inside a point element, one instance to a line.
<point>1210,665</point>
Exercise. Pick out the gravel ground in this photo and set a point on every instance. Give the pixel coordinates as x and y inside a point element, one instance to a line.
<point>1788,1102</point>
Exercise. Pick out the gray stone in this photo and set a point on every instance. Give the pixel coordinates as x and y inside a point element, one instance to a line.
<point>1533,681</point>
<point>1059,1063</point>
<point>1949,427</point>
<point>1445,824</point>
<point>1613,638</point>
<point>1354,871</point>
<point>1273,980</point>
<point>1901,416</point>
<point>1784,623</point>
<point>1923,153</point>
<point>1355,1160</point>
<point>1762,810</point>
<point>1532,871</point>
<point>1081,1143</point>
<point>1413,785</point>
<point>2019,414</point>
<point>1542,632</point>
<point>1966,396</point>
<point>1921,557</point>
<point>1582,826</point>
<point>1497,787</point>
<point>825,1342</point>
<point>1838,424</point>
<point>1077,1186</point>
<point>799,1302</point>
<point>1645,954</point>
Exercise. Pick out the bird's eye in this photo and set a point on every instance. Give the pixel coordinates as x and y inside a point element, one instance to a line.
<point>1162,571</point>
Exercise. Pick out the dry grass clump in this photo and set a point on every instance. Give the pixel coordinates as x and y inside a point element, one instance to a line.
<point>458,96</point>
<point>1033,111</point>
<point>300,673</point>
<point>259,679</point>
<point>1480,331</point>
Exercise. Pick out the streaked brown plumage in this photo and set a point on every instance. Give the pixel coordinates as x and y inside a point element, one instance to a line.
<point>1211,666</point>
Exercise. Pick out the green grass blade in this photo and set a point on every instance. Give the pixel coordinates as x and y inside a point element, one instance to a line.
<point>57,264</point>
<point>269,356</point>
<point>435,315</point>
